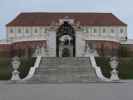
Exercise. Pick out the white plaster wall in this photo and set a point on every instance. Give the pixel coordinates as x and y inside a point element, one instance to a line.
<point>107,35</point>
<point>52,43</point>
<point>80,44</point>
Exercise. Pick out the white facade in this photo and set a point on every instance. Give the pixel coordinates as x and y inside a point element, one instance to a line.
<point>118,33</point>
<point>107,33</point>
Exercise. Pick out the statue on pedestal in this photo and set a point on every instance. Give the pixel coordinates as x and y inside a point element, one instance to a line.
<point>114,73</point>
<point>15,65</point>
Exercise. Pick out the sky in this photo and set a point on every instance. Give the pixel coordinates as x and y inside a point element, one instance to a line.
<point>9,9</point>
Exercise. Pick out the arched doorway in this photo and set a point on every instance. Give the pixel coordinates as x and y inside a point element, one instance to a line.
<point>66,52</point>
<point>65,41</point>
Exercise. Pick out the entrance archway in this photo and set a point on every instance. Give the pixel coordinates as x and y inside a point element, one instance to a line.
<point>66,52</point>
<point>65,41</point>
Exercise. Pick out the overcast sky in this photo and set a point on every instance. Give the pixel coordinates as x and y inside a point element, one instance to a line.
<point>121,8</point>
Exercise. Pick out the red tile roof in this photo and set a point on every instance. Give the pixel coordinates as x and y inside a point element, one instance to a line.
<point>45,19</point>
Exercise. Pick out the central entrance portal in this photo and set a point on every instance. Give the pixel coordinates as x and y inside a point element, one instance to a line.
<point>66,52</point>
<point>65,41</point>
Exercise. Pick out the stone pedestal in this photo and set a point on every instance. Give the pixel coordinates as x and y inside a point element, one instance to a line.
<point>114,75</point>
<point>15,75</point>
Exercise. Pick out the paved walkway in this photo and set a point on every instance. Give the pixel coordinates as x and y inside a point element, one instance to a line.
<point>92,91</point>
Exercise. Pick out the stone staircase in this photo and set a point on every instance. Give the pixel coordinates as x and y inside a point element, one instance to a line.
<point>64,70</point>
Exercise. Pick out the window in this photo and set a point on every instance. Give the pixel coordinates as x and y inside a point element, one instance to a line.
<point>11,30</point>
<point>112,30</point>
<point>104,30</point>
<point>95,30</point>
<point>89,30</point>
<point>19,30</point>
<point>84,29</point>
<point>45,30</point>
<point>27,31</point>
<point>35,30</point>
<point>121,30</point>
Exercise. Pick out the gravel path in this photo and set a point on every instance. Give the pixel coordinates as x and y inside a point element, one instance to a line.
<point>92,91</point>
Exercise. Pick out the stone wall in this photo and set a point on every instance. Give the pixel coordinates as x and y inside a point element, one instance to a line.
<point>22,49</point>
<point>27,48</point>
<point>107,48</point>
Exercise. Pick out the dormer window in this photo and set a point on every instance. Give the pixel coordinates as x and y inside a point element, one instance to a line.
<point>66,19</point>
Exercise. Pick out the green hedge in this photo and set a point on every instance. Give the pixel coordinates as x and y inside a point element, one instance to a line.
<point>125,67</point>
<point>104,65</point>
<point>6,68</point>
<point>26,64</point>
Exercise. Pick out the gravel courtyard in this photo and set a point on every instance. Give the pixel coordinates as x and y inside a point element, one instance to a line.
<point>91,91</point>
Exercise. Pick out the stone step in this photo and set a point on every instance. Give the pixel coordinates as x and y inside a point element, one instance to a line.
<point>64,70</point>
<point>64,60</point>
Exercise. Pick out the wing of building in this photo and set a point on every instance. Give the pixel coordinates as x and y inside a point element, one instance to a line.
<point>66,34</point>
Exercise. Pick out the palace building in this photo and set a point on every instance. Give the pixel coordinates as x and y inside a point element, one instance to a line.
<point>64,34</point>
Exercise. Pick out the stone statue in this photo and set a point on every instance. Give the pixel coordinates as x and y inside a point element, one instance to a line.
<point>15,65</point>
<point>114,73</point>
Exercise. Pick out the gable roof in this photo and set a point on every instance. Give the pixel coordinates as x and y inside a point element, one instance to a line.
<point>45,19</point>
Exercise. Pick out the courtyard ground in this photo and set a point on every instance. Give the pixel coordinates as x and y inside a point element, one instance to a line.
<point>91,91</point>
